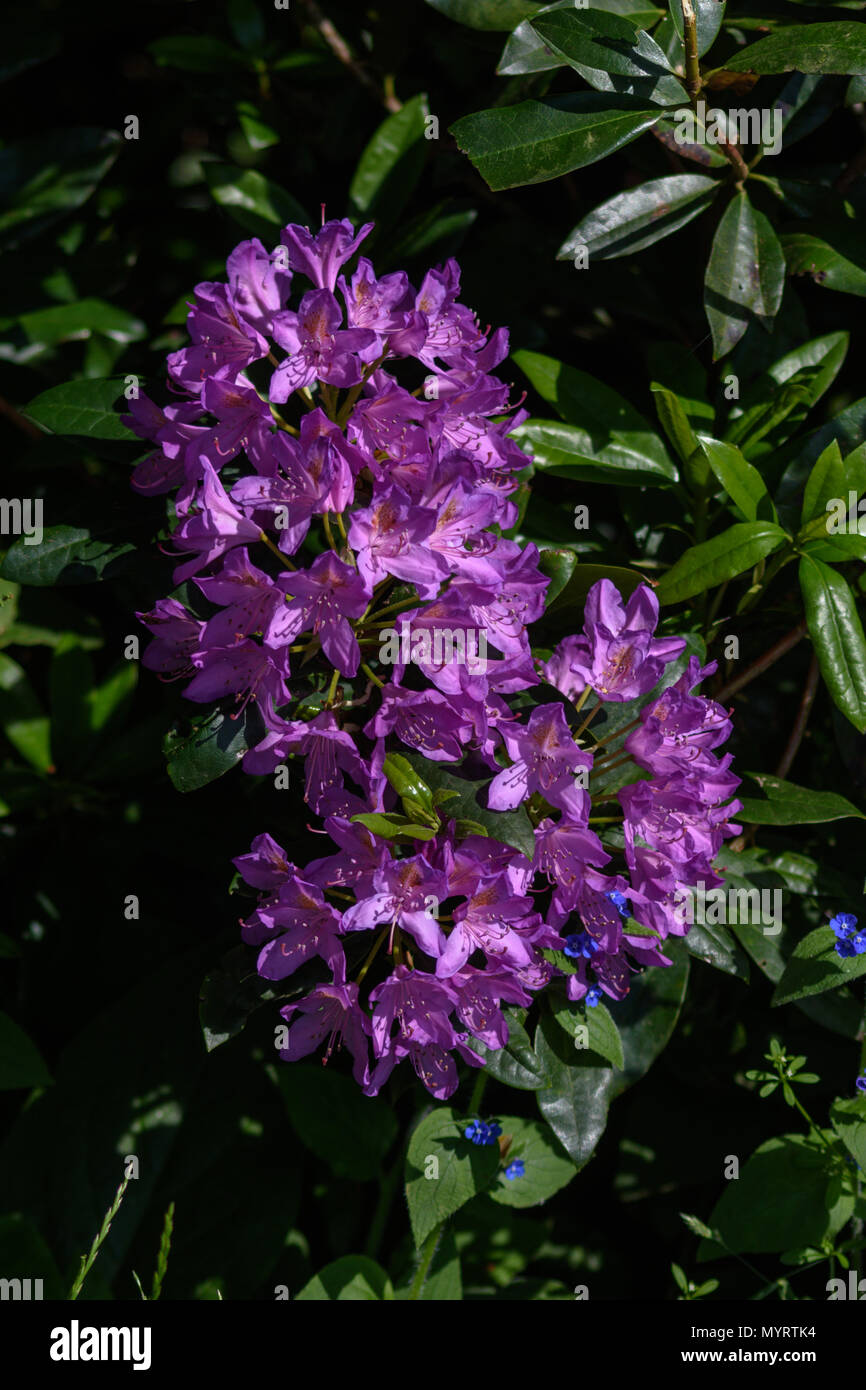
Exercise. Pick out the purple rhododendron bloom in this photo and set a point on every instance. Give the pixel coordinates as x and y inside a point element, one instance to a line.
<point>347,519</point>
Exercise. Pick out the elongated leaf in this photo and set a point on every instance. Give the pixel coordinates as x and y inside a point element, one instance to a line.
<point>826,483</point>
<point>837,636</point>
<point>575,1104</point>
<point>676,423</point>
<point>743,483</point>
<point>25,723</point>
<point>848,1118</point>
<point>256,203</point>
<point>745,275</point>
<point>90,408</point>
<point>443,1170</point>
<point>64,322</point>
<point>215,745</point>
<point>641,216</point>
<point>813,367</point>
<point>43,178</point>
<point>836,47</point>
<point>724,557</point>
<point>390,165</point>
<point>486,14</point>
<point>325,1108</point>
<point>525,50</point>
<point>711,943</point>
<point>20,1063</point>
<point>539,140</point>
<point>569,452</point>
<point>602,1035</point>
<point>65,555</point>
<point>830,253</point>
<point>787,804</point>
<point>610,55</point>
<point>815,966</point>
<point>197,53</point>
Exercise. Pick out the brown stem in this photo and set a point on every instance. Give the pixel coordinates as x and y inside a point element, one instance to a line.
<point>763,663</point>
<point>793,744</point>
<point>341,51</point>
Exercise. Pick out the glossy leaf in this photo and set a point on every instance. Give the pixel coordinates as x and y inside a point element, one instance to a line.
<point>536,141</point>
<point>787,804</point>
<point>390,165</point>
<point>486,14</point>
<point>743,483</point>
<point>65,555</point>
<point>839,46</point>
<point>641,216</point>
<point>745,275</point>
<point>815,966</point>
<point>830,254</point>
<point>256,204</point>
<point>709,14</point>
<point>516,1064</point>
<point>724,557</point>
<point>837,636</point>
<point>712,944</point>
<point>89,408</point>
<point>610,55</point>
<point>212,748</point>
<point>43,178</point>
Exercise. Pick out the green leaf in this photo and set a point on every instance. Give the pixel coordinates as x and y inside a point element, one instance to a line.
<point>787,804</point>
<point>815,966</point>
<point>745,275</point>
<point>65,555</point>
<point>569,451</point>
<point>548,1169</point>
<point>559,565</point>
<point>826,483</point>
<point>457,1168</point>
<point>641,216</point>
<point>246,22</point>
<point>351,1132</point>
<point>602,1035</point>
<point>82,407</point>
<point>536,141</point>
<point>837,636</point>
<point>24,720</point>
<point>212,748</point>
<point>352,1279</point>
<point>80,320</point>
<point>709,14</point>
<point>830,253</point>
<point>761,426</point>
<point>712,944</point>
<point>516,1064</point>
<point>259,135</point>
<point>525,51</point>
<point>675,422</point>
<point>743,483</point>
<point>389,825</point>
<point>444,1283</point>
<point>391,165</point>
<point>610,54</point>
<point>20,1063</point>
<point>24,1255</point>
<point>411,788</point>
<point>43,178</point>
<point>508,827</point>
<point>256,203</point>
<point>486,14</point>
<point>786,1195</point>
<point>848,1118</point>
<point>197,53</point>
<point>575,1104</point>
<point>836,47</point>
<point>724,557</point>
<point>229,994</point>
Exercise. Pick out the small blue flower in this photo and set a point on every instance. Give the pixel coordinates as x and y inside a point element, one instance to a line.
<point>849,942</point>
<point>593,996</point>
<point>482,1131</point>
<point>860,1083</point>
<point>618,900</point>
<point>580,943</point>
<point>515,1169</point>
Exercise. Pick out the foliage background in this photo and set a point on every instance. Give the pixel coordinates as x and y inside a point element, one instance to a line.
<point>268,1188</point>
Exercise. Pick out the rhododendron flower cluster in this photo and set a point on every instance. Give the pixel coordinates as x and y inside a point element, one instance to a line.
<point>344,465</point>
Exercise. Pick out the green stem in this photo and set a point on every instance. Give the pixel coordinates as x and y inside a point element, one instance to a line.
<point>427,1252</point>
<point>690,45</point>
<point>477,1093</point>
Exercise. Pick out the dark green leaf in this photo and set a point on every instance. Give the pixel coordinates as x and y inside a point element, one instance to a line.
<point>391,165</point>
<point>486,14</point>
<point>352,1279</point>
<point>20,1064</point>
<point>65,555</point>
<point>815,966</point>
<point>712,944</point>
<point>336,1121</point>
<point>831,254</point>
<point>743,483</point>
<point>536,141</point>
<point>836,47</point>
<point>709,15</point>
<point>610,54</point>
<point>197,53</point>
<point>49,175</point>
<point>787,804</point>
<point>547,1166</point>
<point>255,203</point>
<point>745,275</point>
<point>837,636</point>
<point>724,557</point>
<point>82,407</point>
<point>214,746</point>
<point>848,1118</point>
<point>25,723</point>
<point>639,217</point>
<point>516,1064</point>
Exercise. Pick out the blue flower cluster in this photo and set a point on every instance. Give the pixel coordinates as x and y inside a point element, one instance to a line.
<point>849,941</point>
<point>483,1131</point>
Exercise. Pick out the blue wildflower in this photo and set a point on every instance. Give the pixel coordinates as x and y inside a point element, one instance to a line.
<point>860,1083</point>
<point>580,943</point>
<point>515,1169</point>
<point>849,941</point>
<point>593,995</point>
<point>482,1131</point>
<point>618,900</point>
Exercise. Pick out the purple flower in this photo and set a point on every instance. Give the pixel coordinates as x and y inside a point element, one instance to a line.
<point>332,1012</point>
<point>617,656</point>
<point>319,255</point>
<point>545,758</point>
<point>319,347</point>
<point>322,601</point>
